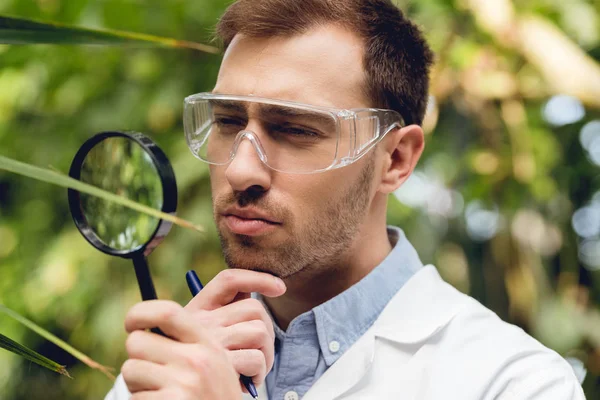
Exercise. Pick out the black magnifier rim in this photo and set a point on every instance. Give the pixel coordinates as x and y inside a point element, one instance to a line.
<point>169,191</point>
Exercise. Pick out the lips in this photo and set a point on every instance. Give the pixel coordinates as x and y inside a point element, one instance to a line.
<point>249,222</point>
<point>247,213</point>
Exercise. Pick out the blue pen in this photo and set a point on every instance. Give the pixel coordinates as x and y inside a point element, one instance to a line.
<point>195,287</point>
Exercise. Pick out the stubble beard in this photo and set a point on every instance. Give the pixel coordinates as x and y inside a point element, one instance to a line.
<point>317,245</point>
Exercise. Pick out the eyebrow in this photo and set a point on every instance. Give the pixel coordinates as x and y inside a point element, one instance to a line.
<point>231,105</point>
<point>288,112</point>
<point>270,110</point>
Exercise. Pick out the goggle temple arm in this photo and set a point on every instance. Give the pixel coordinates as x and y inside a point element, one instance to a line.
<point>381,122</point>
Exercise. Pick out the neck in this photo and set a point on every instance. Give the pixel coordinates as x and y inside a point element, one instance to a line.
<point>311,287</point>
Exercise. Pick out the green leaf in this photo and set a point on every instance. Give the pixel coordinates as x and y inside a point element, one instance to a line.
<point>31,355</point>
<point>26,31</point>
<point>56,178</point>
<point>50,337</point>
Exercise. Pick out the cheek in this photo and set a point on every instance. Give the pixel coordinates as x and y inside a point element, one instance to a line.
<point>310,196</point>
<point>217,179</point>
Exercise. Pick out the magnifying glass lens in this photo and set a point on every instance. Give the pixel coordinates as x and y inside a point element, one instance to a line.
<point>121,166</point>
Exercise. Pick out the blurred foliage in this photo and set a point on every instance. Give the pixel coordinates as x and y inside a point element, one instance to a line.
<point>31,355</point>
<point>505,199</point>
<point>26,31</point>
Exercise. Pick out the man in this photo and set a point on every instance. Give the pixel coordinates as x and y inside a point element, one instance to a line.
<point>301,168</point>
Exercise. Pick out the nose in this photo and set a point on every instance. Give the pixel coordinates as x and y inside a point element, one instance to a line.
<point>247,170</point>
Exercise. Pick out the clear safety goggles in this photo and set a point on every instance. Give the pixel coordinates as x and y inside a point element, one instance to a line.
<point>288,137</point>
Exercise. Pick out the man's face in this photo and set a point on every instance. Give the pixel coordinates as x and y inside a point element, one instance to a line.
<point>314,219</point>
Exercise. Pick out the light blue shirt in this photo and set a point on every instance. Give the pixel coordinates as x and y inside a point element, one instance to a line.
<point>317,338</point>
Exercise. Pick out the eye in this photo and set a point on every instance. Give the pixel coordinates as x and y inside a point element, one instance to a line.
<point>227,125</point>
<point>228,121</point>
<point>297,131</point>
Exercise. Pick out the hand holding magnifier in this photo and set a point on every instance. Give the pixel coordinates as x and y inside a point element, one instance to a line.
<point>131,165</point>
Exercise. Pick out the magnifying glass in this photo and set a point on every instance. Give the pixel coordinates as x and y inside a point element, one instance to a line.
<point>131,165</point>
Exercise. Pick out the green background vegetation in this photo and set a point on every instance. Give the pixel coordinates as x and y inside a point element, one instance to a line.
<point>504,201</point>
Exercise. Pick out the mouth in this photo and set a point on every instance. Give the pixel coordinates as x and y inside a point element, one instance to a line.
<point>249,222</point>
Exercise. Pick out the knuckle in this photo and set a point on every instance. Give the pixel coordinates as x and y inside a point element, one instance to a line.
<point>132,315</point>
<point>197,360</point>
<point>189,382</point>
<point>205,317</point>
<point>178,393</point>
<point>260,331</point>
<point>127,369</point>
<point>256,307</point>
<point>170,311</point>
<point>252,363</point>
<point>256,359</point>
<point>227,277</point>
<point>133,344</point>
<point>257,311</point>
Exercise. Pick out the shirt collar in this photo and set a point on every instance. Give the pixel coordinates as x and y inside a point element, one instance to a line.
<point>340,321</point>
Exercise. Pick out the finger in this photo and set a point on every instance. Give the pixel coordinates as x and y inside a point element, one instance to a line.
<point>140,315</point>
<point>155,395</point>
<point>241,311</point>
<point>141,375</point>
<point>147,396</point>
<point>151,347</point>
<point>167,393</point>
<point>250,363</point>
<point>169,316</point>
<point>249,335</point>
<point>224,288</point>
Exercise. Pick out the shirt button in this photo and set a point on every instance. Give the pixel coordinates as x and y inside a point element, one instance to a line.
<point>334,346</point>
<point>291,395</point>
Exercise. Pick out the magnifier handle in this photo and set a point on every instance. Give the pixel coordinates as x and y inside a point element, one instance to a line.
<point>142,273</point>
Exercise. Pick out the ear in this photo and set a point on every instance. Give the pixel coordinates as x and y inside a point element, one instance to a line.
<point>402,149</point>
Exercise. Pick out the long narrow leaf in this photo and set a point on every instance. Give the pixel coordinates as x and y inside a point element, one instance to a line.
<point>49,176</point>
<point>60,343</point>
<point>27,31</point>
<point>31,355</point>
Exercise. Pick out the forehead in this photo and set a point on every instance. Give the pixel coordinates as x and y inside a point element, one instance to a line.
<point>321,67</point>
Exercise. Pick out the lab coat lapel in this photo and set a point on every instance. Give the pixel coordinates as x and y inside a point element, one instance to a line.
<point>346,372</point>
<point>422,307</point>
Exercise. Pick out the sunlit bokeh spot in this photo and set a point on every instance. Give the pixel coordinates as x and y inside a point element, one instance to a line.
<point>429,194</point>
<point>454,266</point>
<point>589,253</point>
<point>563,110</point>
<point>482,223</point>
<point>530,229</point>
<point>589,137</point>
<point>594,151</point>
<point>586,221</point>
<point>485,163</point>
<point>588,133</point>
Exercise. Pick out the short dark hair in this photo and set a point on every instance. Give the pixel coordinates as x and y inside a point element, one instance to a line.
<point>397,59</point>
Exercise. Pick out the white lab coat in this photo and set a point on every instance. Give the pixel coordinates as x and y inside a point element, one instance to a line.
<point>432,342</point>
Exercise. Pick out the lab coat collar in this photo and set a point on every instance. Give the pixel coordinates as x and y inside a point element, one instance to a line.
<point>422,307</point>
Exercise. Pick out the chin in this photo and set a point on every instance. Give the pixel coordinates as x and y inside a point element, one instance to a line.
<point>254,267</point>
<point>253,261</point>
